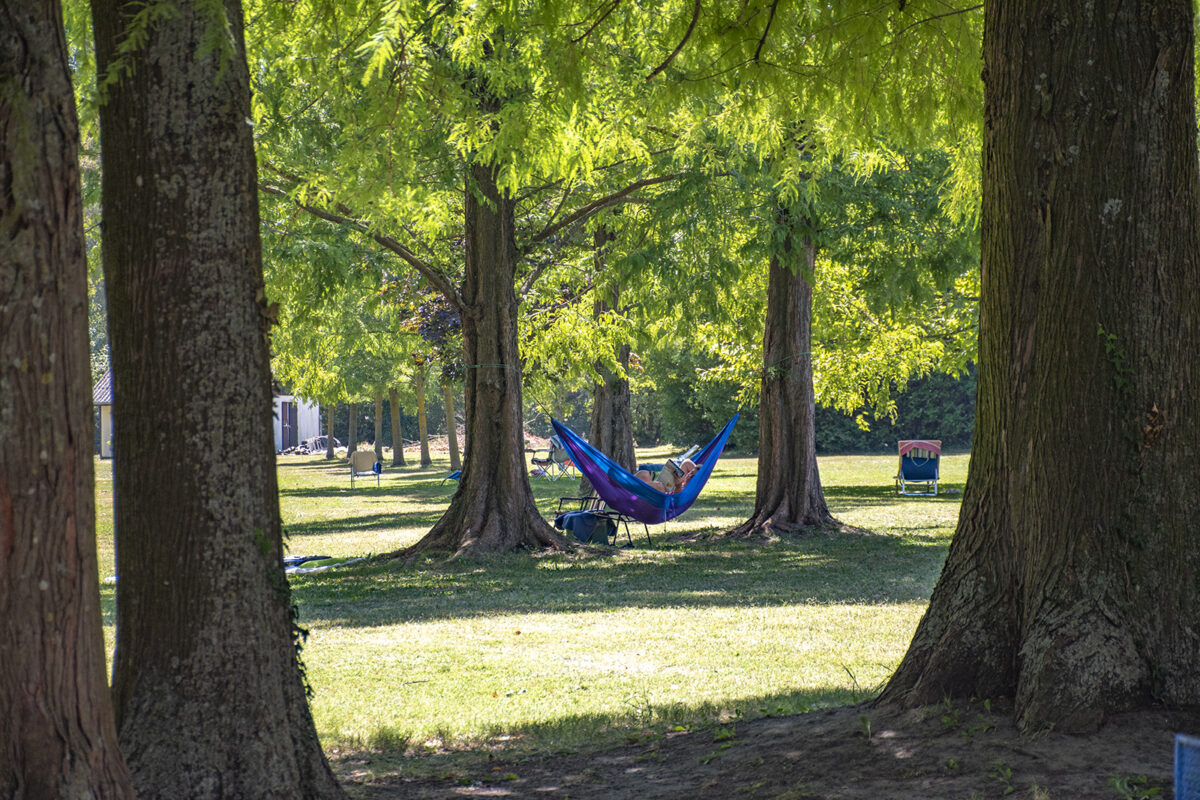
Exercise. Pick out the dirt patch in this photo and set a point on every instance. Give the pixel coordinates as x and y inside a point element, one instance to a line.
<point>960,751</point>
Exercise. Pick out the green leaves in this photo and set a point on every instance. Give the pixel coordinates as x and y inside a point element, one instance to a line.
<point>371,111</point>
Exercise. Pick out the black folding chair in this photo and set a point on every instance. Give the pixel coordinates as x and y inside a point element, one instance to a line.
<point>593,506</point>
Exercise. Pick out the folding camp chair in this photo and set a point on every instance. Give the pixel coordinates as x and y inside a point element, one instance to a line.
<point>593,518</point>
<point>1187,766</point>
<point>555,464</point>
<point>919,463</point>
<point>363,464</point>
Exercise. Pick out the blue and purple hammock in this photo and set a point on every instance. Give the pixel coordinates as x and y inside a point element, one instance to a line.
<point>628,494</point>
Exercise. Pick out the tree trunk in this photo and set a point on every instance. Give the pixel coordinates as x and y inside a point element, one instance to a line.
<point>379,427</point>
<point>57,737</point>
<point>451,426</point>
<point>397,434</point>
<point>1073,580</point>
<point>209,693</point>
<point>422,420</point>
<point>352,432</point>
<point>329,432</point>
<point>788,493</point>
<point>493,509</point>
<point>611,430</point>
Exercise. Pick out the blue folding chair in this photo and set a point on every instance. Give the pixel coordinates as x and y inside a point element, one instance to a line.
<point>919,463</point>
<point>1187,767</point>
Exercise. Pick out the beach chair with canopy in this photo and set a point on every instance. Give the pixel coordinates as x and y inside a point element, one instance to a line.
<point>919,464</point>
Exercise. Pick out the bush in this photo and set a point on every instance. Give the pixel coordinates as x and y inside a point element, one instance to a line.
<point>935,407</point>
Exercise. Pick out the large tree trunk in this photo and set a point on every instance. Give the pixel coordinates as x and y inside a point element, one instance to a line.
<point>397,434</point>
<point>329,434</point>
<point>57,738</point>
<point>352,430</point>
<point>788,493</point>
<point>379,427</point>
<point>451,426</point>
<point>1073,581</point>
<point>209,694</point>
<point>611,430</point>
<point>422,419</point>
<point>493,509</point>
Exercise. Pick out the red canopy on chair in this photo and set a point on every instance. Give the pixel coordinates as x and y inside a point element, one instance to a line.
<point>932,445</point>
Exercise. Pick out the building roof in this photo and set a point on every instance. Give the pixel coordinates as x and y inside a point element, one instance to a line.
<point>102,391</point>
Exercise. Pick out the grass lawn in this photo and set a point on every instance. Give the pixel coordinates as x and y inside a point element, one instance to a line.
<point>553,652</point>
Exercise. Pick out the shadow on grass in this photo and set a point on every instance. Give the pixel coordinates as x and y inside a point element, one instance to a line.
<point>637,722</point>
<point>108,603</point>
<point>372,522</point>
<point>867,495</point>
<point>823,569</point>
<point>423,491</point>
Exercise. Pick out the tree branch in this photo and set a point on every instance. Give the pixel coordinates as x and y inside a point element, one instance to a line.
<point>679,47</point>
<point>533,191</point>
<point>914,24</point>
<point>436,278</point>
<point>580,215</point>
<point>602,203</point>
<point>561,204</point>
<point>604,16</point>
<point>567,303</point>
<point>767,29</point>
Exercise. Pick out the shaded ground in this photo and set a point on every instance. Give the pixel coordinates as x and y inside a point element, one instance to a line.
<point>960,751</point>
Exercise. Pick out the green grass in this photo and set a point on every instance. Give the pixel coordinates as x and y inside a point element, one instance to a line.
<point>563,651</point>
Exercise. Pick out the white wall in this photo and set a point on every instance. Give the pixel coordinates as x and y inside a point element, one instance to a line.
<point>308,419</point>
<point>106,432</point>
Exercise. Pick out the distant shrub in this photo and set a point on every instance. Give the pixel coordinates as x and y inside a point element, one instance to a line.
<point>936,407</point>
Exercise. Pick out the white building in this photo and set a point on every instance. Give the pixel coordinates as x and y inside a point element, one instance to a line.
<point>102,396</point>
<point>295,419</point>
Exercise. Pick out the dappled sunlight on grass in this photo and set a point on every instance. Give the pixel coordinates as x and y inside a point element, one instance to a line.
<point>618,667</point>
<point>554,650</point>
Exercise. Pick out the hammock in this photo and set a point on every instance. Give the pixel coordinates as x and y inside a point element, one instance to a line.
<point>629,494</point>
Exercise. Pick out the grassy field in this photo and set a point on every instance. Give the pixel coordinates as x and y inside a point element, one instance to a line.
<point>553,652</point>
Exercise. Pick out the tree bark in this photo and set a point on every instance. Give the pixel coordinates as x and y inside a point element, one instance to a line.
<point>397,434</point>
<point>493,509</point>
<point>379,427</point>
<point>788,494</point>
<point>611,430</point>
<point>329,431</point>
<point>352,431</point>
<point>209,693</point>
<point>422,419</point>
<point>57,737</point>
<point>451,426</point>
<point>1073,580</point>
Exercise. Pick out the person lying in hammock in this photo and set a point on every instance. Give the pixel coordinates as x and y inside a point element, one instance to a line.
<point>674,476</point>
